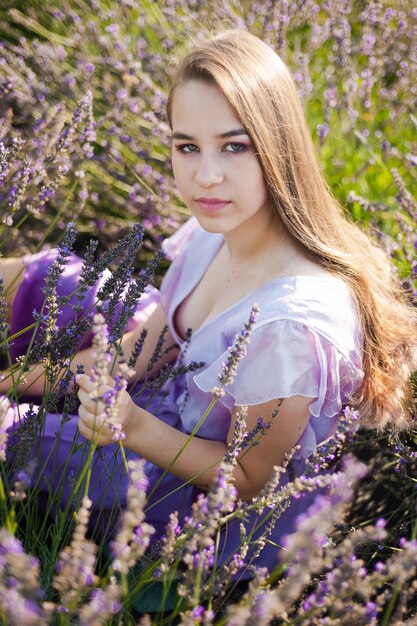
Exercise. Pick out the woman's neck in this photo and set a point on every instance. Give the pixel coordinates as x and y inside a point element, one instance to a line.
<point>256,242</point>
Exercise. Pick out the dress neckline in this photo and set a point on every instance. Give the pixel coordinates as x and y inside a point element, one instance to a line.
<point>219,240</point>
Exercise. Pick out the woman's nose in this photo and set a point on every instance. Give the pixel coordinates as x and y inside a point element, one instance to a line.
<point>209,172</point>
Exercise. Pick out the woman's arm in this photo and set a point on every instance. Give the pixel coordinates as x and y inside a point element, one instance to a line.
<point>34,380</point>
<point>159,443</point>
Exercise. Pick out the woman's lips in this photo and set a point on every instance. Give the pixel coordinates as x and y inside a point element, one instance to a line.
<point>211,204</point>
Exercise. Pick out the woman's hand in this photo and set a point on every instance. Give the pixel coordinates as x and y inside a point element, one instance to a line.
<point>93,422</point>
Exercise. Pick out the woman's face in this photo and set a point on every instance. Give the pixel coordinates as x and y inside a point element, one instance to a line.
<point>213,159</point>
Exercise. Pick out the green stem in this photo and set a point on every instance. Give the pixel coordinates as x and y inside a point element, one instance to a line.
<point>414,531</point>
<point>125,585</point>
<point>186,443</point>
<point>391,604</point>
<point>89,463</point>
<point>84,475</point>
<point>11,515</point>
<point>123,453</point>
<point>197,587</point>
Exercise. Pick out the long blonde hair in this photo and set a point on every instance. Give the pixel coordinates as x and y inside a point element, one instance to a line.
<point>261,90</point>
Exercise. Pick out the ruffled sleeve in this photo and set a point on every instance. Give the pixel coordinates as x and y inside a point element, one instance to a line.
<point>286,358</point>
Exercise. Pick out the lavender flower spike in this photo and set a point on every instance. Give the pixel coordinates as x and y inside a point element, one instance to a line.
<point>4,408</point>
<point>19,584</point>
<point>112,399</point>
<point>102,605</point>
<point>102,357</point>
<point>23,482</point>
<point>133,538</point>
<point>76,565</point>
<point>236,353</point>
<point>100,350</point>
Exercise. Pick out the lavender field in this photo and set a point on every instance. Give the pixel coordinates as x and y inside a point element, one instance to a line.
<point>85,166</point>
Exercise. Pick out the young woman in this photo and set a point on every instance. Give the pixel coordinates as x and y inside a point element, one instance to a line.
<point>333,327</point>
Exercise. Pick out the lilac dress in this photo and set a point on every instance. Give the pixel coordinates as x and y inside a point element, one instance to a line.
<point>307,341</point>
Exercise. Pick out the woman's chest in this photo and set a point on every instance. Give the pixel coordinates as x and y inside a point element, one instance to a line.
<point>215,294</point>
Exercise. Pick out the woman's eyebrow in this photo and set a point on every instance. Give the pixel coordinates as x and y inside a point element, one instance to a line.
<point>229,133</point>
<point>233,133</point>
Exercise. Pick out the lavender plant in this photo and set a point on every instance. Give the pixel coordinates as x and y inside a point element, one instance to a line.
<point>325,579</point>
<point>82,134</point>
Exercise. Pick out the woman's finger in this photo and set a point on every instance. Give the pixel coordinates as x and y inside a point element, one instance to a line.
<point>95,406</point>
<point>84,382</point>
<point>88,390</point>
<point>92,420</point>
<point>84,429</point>
<point>93,428</point>
<point>90,426</point>
<point>87,432</point>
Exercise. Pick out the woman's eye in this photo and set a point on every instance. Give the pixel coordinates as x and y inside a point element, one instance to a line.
<point>187,148</point>
<point>235,147</point>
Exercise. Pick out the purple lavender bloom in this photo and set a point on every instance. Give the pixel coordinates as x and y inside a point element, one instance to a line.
<point>198,612</point>
<point>24,611</point>
<point>322,130</point>
<point>121,94</point>
<point>23,478</point>
<point>9,544</point>
<point>112,28</point>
